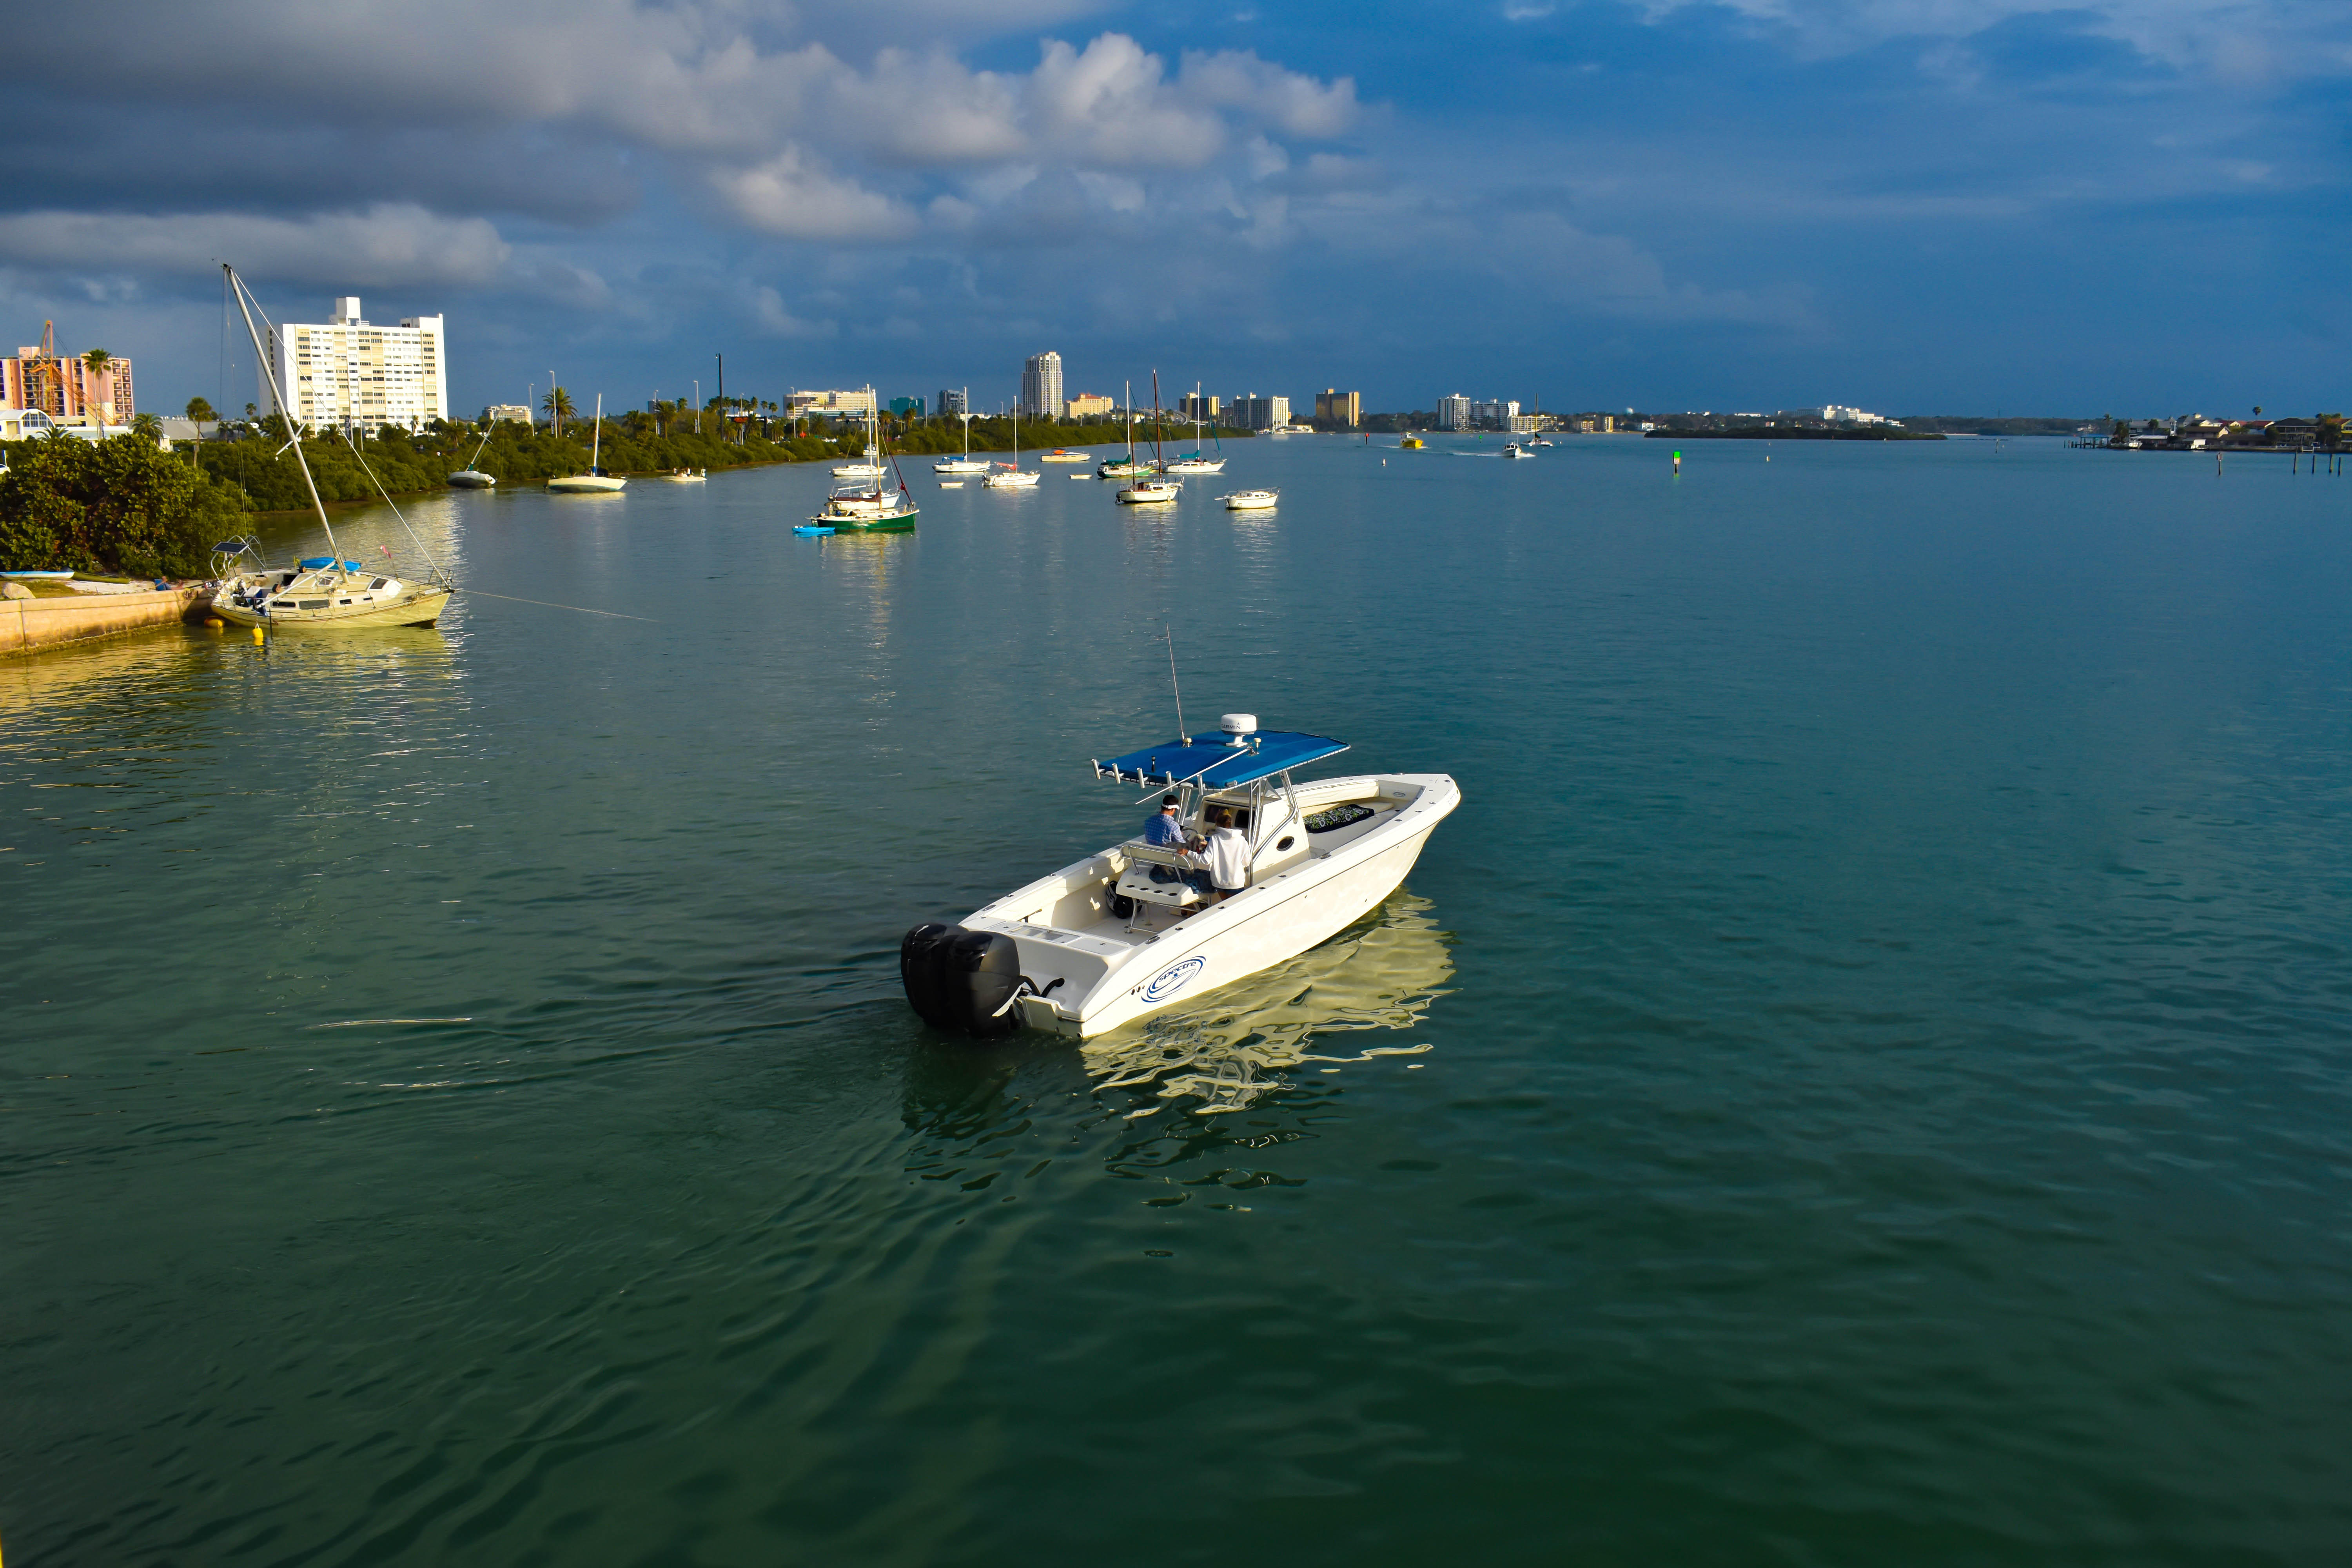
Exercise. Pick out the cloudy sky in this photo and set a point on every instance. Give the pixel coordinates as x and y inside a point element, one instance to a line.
<point>1915,205</point>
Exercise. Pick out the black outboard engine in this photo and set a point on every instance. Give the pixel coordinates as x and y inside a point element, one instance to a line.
<point>961,980</point>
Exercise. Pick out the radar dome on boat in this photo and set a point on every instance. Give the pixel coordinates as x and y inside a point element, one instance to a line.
<point>1238,723</point>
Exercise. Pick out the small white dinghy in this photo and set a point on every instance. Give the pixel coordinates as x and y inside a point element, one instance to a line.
<point>1104,940</point>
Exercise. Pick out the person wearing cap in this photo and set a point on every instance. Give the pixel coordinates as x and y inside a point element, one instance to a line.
<point>1165,829</point>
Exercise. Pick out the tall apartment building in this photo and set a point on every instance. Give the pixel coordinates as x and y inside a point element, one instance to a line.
<point>1454,413</point>
<point>348,372</point>
<point>63,387</point>
<point>952,403</point>
<point>1040,385</point>
<point>1345,408</point>
<point>1502,411</point>
<point>1202,408</point>
<point>1251,412</point>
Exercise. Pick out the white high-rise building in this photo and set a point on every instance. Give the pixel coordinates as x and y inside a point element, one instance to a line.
<point>1454,413</point>
<point>346,372</point>
<point>1040,385</point>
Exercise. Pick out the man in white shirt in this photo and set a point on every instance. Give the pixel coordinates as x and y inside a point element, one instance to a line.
<point>1225,858</point>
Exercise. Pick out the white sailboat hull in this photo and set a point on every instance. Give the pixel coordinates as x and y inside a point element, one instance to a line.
<point>411,605</point>
<point>585,485</point>
<point>1111,971</point>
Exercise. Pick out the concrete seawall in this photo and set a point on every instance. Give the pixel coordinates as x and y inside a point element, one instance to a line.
<point>29,623</point>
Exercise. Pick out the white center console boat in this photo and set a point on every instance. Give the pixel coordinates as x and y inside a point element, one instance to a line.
<point>1137,927</point>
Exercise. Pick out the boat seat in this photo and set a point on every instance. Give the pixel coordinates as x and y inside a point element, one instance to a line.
<point>1136,849</point>
<point>1148,883</point>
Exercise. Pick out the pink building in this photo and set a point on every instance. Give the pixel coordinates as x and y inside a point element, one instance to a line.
<point>64,386</point>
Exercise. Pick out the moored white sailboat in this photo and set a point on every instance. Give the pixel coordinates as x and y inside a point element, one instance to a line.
<point>595,481</point>
<point>322,592</point>
<point>967,464</point>
<point>1010,476</point>
<point>1197,461</point>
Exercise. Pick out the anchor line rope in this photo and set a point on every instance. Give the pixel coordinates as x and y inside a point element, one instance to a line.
<point>552,605</point>
<point>439,575</point>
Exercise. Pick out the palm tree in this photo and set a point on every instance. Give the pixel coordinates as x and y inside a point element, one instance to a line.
<point>95,363</point>
<point>558,404</point>
<point>202,412</point>
<point>147,425</point>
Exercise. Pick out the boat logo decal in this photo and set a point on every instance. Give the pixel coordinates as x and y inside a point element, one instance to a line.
<point>1173,979</point>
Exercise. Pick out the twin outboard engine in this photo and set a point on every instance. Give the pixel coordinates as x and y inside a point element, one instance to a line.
<point>963,980</point>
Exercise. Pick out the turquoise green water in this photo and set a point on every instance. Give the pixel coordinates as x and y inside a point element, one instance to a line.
<point>1862,1079</point>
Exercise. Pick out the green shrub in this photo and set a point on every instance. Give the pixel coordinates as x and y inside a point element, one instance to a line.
<point>119,505</point>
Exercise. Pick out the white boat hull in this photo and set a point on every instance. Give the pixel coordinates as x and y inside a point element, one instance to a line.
<point>960,466</point>
<point>415,605</point>
<point>1111,974</point>
<point>1015,481</point>
<point>585,485</point>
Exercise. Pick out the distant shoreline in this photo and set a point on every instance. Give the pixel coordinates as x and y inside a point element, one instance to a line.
<point>1794,432</point>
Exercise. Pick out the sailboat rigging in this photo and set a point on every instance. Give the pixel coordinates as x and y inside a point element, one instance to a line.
<point>321,591</point>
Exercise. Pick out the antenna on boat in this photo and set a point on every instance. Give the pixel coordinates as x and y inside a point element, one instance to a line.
<point>1181,733</point>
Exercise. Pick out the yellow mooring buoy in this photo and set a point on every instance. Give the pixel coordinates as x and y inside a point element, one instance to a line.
<point>256,634</point>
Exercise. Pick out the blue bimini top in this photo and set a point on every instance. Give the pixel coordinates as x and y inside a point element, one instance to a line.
<point>313,562</point>
<point>1220,760</point>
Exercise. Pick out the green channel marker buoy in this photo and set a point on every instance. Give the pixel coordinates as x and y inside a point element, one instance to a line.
<point>1678,462</point>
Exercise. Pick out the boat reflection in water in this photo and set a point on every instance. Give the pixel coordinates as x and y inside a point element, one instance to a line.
<point>1380,974</point>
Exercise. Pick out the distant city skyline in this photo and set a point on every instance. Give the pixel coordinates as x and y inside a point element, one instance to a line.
<point>2017,205</point>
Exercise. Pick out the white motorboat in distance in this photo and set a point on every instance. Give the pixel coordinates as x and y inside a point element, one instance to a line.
<point>1123,933</point>
<point>1514,451</point>
<point>688,476</point>
<point>1252,501</point>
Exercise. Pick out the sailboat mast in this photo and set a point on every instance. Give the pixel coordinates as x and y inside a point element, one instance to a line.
<point>261,358</point>
<point>596,444</point>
